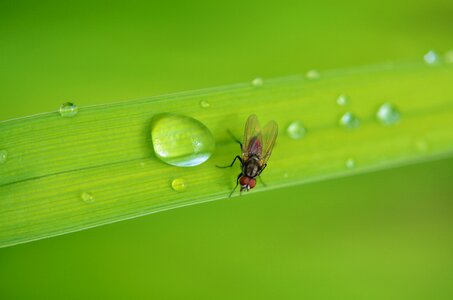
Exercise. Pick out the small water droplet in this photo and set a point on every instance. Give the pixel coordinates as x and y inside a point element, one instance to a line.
<point>68,109</point>
<point>421,144</point>
<point>87,197</point>
<point>449,57</point>
<point>296,130</point>
<point>178,185</point>
<point>313,75</point>
<point>285,175</point>
<point>342,100</point>
<point>3,156</point>
<point>349,120</point>
<point>258,81</point>
<point>388,114</point>
<point>180,140</point>
<point>350,163</point>
<point>431,58</point>
<point>205,104</point>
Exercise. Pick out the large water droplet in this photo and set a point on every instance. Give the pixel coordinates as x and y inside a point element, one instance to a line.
<point>68,109</point>
<point>3,156</point>
<point>388,114</point>
<point>87,197</point>
<point>349,120</point>
<point>178,185</point>
<point>296,130</point>
<point>205,104</point>
<point>342,100</point>
<point>181,141</point>
<point>431,58</point>
<point>313,75</point>
<point>350,163</point>
<point>257,81</point>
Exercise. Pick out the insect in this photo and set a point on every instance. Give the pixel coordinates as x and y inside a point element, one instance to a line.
<point>256,149</point>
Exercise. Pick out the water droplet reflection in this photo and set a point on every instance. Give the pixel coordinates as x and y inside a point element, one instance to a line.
<point>449,57</point>
<point>421,145</point>
<point>178,185</point>
<point>342,100</point>
<point>349,120</point>
<point>431,58</point>
<point>180,140</point>
<point>350,163</point>
<point>3,156</point>
<point>87,197</point>
<point>257,81</point>
<point>388,114</point>
<point>68,109</point>
<point>205,104</point>
<point>296,130</point>
<point>313,75</point>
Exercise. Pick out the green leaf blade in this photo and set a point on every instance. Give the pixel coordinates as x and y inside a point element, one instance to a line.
<point>106,150</point>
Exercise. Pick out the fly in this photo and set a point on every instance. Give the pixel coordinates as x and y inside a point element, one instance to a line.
<point>256,149</point>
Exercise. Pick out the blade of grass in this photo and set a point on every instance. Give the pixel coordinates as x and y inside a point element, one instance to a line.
<point>106,150</point>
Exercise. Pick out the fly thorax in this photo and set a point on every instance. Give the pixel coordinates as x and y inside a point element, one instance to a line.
<point>252,167</point>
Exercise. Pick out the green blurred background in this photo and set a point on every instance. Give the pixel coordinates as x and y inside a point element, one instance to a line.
<point>383,235</point>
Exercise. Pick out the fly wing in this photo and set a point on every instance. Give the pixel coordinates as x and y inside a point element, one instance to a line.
<point>269,135</point>
<point>252,143</point>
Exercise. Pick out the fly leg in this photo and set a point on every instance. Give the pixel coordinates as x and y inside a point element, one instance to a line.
<point>232,163</point>
<point>234,138</point>
<point>261,180</point>
<point>237,183</point>
<point>234,160</point>
<point>259,175</point>
<point>262,169</point>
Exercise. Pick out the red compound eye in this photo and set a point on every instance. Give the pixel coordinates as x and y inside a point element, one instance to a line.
<point>252,183</point>
<point>244,180</point>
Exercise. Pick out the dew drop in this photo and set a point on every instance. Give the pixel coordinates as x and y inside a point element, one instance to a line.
<point>87,197</point>
<point>431,58</point>
<point>313,75</point>
<point>296,130</point>
<point>349,120</point>
<point>68,109</point>
<point>388,114</point>
<point>342,100</point>
<point>421,144</point>
<point>180,140</point>
<point>285,175</point>
<point>205,104</point>
<point>258,81</point>
<point>350,163</point>
<point>3,156</point>
<point>178,185</point>
<point>449,57</point>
